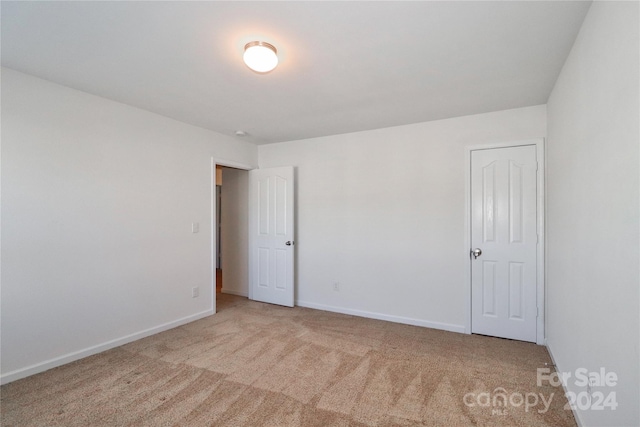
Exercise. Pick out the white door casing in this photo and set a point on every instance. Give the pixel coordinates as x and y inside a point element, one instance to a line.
<point>271,231</point>
<point>504,227</point>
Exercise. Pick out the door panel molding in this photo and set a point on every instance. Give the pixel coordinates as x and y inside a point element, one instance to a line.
<point>540,219</point>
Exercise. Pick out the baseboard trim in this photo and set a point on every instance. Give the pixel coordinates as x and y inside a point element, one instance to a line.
<point>381,316</point>
<point>90,351</point>
<point>233,292</point>
<point>576,416</point>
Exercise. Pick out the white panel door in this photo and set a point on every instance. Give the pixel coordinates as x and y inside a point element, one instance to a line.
<point>504,229</point>
<point>271,228</point>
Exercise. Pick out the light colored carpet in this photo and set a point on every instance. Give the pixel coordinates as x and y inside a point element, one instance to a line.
<point>255,364</point>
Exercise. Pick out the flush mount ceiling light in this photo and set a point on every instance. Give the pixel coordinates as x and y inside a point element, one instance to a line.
<point>261,57</point>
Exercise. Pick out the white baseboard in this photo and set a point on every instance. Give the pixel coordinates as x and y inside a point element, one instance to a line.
<point>90,351</point>
<point>380,316</point>
<point>576,416</point>
<point>234,292</point>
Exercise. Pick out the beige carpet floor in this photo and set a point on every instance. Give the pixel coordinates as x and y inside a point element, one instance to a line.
<point>255,364</point>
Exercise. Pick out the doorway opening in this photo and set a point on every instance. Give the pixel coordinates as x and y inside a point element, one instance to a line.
<point>229,229</point>
<point>218,197</point>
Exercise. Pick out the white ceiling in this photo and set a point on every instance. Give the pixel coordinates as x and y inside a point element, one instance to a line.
<point>344,66</point>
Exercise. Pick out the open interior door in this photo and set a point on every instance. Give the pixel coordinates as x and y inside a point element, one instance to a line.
<point>271,235</point>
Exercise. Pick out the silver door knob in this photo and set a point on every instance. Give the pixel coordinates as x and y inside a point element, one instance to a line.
<point>289,243</point>
<point>476,253</point>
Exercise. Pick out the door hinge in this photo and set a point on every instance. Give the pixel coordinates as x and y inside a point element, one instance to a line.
<point>537,166</point>
<point>537,311</point>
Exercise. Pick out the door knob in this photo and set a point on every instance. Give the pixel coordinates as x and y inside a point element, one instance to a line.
<point>476,253</point>
<point>289,243</point>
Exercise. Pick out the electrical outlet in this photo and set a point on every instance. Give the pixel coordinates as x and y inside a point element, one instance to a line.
<point>195,227</point>
<point>336,286</point>
<point>195,292</point>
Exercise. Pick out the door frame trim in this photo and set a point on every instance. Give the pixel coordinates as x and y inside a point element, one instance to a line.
<point>212,220</point>
<point>540,218</point>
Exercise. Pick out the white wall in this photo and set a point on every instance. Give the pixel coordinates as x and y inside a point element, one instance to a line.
<point>97,204</point>
<point>235,231</point>
<point>593,214</point>
<point>382,213</point>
